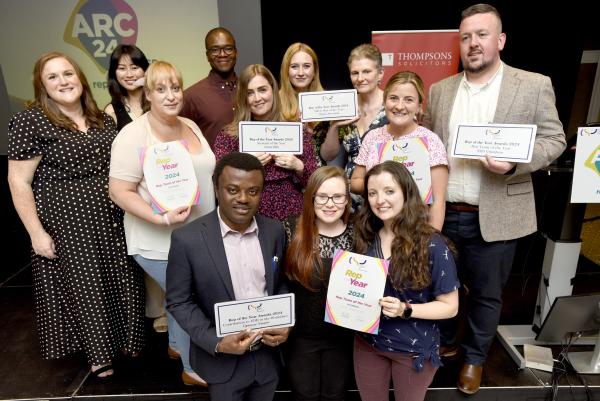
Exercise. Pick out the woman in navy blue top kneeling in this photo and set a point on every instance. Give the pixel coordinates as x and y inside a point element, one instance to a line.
<point>421,287</point>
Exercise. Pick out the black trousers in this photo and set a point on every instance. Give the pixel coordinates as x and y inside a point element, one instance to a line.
<point>255,378</point>
<point>319,369</point>
<point>484,267</point>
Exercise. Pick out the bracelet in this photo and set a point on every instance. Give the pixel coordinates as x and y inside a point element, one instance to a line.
<point>166,219</point>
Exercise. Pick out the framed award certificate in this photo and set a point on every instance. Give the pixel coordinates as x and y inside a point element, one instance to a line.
<point>414,154</point>
<point>169,175</point>
<point>270,137</point>
<point>328,105</point>
<point>355,286</point>
<point>257,313</point>
<point>505,142</point>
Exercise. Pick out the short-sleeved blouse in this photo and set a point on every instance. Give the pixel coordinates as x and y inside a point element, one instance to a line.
<point>368,155</point>
<point>419,337</point>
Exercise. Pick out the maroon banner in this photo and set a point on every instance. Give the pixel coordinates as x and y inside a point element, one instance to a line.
<point>434,55</point>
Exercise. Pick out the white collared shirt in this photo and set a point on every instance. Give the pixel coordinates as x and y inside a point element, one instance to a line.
<point>474,103</point>
<point>245,260</point>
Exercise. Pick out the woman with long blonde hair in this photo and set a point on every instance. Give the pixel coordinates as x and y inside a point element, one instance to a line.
<point>299,73</point>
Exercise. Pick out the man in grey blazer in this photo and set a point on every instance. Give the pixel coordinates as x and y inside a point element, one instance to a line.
<point>490,203</point>
<point>229,254</point>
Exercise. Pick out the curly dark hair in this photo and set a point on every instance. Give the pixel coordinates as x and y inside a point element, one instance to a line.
<point>409,267</point>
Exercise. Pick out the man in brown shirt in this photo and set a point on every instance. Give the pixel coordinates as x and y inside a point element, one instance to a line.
<point>209,102</point>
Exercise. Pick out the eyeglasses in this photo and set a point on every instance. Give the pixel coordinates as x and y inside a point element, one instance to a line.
<point>338,199</point>
<point>215,51</point>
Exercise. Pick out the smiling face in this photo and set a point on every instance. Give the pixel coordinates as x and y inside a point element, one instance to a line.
<point>333,192</point>
<point>61,82</point>
<point>364,75</point>
<point>238,192</point>
<point>221,53</point>
<point>385,197</point>
<point>401,107</point>
<point>166,98</point>
<point>127,73</point>
<point>481,43</point>
<point>260,97</point>
<point>301,71</point>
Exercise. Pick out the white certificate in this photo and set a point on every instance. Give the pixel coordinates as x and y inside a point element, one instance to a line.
<point>414,154</point>
<point>270,137</point>
<point>169,175</point>
<point>505,142</point>
<point>328,105</point>
<point>586,174</point>
<point>256,313</point>
<point>356,284</point>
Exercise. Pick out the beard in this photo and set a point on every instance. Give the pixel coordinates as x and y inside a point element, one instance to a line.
<point>476,67</point>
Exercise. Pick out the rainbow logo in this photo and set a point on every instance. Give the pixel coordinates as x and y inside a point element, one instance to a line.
<point>98,26</point>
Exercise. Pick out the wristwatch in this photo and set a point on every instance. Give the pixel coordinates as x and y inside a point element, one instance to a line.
<point>407,313</point>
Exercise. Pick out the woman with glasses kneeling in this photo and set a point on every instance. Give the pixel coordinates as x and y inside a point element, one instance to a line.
<point>320,354</point>
<point>421,287</point>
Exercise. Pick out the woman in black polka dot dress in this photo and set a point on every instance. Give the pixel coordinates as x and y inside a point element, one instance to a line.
<point>88,296</point>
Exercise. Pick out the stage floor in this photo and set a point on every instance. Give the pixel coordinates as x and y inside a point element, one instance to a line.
<point>153,376</point>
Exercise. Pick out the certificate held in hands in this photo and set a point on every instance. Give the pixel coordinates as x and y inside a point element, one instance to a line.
<point>328,105</point>
<point>414,154</point>
<point>356,284</point>
<point>504,142</point>
<point>257,313</point>
<point>270,137</point>
<point>169,175</point>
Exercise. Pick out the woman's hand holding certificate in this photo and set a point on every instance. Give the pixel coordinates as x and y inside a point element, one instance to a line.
<point>356,284</point>
<point>170,176</point>
<point>503,142</point>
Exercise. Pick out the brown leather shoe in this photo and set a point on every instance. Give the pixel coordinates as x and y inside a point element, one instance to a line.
<point>449,351</point>
<point>192,379</point>
<point>469,378</point>
<point>173,354</point>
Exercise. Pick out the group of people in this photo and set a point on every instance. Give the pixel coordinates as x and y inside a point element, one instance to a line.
<point>269,224</point>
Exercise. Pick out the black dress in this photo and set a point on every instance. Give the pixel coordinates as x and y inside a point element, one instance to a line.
<point>123,117</point>
<point>319,353</point>
<point>90,298</point>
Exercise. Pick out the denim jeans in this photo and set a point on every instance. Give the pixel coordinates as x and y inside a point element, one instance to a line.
<point>178,338</point>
